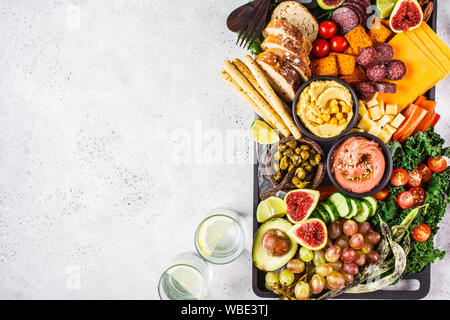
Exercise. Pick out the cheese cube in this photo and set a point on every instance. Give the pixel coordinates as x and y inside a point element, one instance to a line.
<point>373,102</point>
<point>375,129</point>
<point>362,109</point>
<point>392,108</point>
<point>390,129</point>
<point>356,130</point>
<point>385,120</point>
<point>365,123</point>
<point>398,120</point>
<point>375,113</point>
<point>386,133</point>
<point>381,104</point>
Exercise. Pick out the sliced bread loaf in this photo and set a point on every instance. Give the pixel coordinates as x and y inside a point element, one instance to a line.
<point>282,77</point>
<point>299,16</point>
<point>286,29</point>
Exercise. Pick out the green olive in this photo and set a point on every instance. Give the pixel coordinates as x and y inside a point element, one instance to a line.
<point>305,147</point>
<point>298,150</point>
<point>277,155</point>
<point>291,166</point>
<point>277,176</point>
<point>282,147</point>
<point>300,173</point>
<point>288,152</point>
<point>300,184</point>
<point>295,158</point>
<point>304,154</point>
<point>312,162</point>
<point>295,180</point>
<point>291,144</point>
<point>308,167</point>
<point>318,158</point>
<point>283,163</point>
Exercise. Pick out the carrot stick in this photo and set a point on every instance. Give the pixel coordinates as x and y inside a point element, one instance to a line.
<point>435,119</point>
<point>419,100</point>
<point>415,119</point>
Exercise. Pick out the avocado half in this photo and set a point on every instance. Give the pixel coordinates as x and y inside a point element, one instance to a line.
<point>261,259</point>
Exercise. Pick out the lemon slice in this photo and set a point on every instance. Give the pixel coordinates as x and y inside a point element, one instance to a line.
<point>384,7</point>
<point>189,279</point>
<point>272,207</point>
<point>262,133</point>
<point>211,232</point>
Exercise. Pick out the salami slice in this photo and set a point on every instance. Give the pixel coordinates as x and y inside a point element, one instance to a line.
<point>356,9</point>
<point>396,70</point>
<point>385,52</point>
<point>366,90</point>
<point>377,72</point>
<point>361,6</point>
<point>386,87</point>
<point>368,57</point>
<point>346,18</point>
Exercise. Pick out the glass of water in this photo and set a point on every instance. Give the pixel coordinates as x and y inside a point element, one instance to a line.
<point>186,279</point>
<point>220,238</point>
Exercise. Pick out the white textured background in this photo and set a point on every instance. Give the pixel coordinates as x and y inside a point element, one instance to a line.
<point>92,204</point>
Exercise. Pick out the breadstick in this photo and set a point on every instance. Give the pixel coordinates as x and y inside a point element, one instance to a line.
<point>256,97</point>
<point>276,103</point>
<point>228,79</point>
<point>249,76</point>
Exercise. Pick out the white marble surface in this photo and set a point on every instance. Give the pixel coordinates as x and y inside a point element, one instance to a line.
<point>96,96</point>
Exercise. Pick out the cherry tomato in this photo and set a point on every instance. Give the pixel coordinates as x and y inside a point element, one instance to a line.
<point>421,233</point>
<point>425,172</point>
<point>327,29</point>
<point>382,194</point>
<point>338,44</point>
<point>321,47</point>
<point>414,178</point>
<point>419,195</point>
<point>438,164</point>
<point>399,177</point>
<point>405,200</point>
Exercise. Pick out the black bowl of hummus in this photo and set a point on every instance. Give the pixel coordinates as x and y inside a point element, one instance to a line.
<point>325,108</point>
<point>359,164</point>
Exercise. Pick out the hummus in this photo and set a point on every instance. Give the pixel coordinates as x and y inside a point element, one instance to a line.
<point>358,164</point>
<point>315,101</point>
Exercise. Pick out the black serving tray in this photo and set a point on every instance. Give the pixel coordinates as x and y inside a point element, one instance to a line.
<point>424,277</point>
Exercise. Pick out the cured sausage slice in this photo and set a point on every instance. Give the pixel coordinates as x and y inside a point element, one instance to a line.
<point>366,90</point>
<point>386,87</point>
<point>346,18</point>
<point>368,57</point>
<point>385,52</point>
<point>377,72</point>
<point>396,70</point>
<point>355,8</point>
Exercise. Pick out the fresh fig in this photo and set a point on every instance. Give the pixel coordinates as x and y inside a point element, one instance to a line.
<point>311,233</point>
<point>406,15</point>
<point>300,204</point>
<point>329,4</point>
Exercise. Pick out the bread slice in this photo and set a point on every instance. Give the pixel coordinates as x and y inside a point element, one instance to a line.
<point>286,29</point>
<point>294,47</point>
<point>303,69</point>
<point>299,16</point>
<point>282,77</point>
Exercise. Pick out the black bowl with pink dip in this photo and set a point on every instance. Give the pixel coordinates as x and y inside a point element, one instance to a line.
<point>372,170</point>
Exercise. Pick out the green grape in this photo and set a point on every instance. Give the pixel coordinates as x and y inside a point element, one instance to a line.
<point>324,269</point>
<point>319,257</point>
<point>286,278</point>
<point>272,280</point>
<point>305,254</point>
<point>317,284</point>
<point>302,290</point>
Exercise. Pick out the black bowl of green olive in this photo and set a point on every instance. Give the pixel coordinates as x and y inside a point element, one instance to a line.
<point>304,156</point>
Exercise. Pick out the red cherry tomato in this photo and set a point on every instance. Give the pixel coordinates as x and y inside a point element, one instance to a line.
<point>414,178</point>
<point>438,164</point>
<point>321,47</point>
<point>399,177</point>
<point>425,172</point>
<point>382,194</point>
<point>338,44</point>
<point>421,233</point>
<point>405,200</point>
<point>327,29</point>
<point>419,194</point>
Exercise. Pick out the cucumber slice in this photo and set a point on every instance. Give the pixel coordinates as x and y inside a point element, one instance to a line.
<point>342,203</point>
<point>323,213</point>
<point>316,215</point>
<point>356,208</point>
<point>373,205</point>
<point>365,212</point>
<point>331,210</point>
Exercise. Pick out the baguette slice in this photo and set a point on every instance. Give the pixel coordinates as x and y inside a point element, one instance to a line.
<point>286,29</point>
<point>299,16</point>
<point>303,69</point>
<point>283,78</point>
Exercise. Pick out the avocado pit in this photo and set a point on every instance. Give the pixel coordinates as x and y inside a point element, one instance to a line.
<point>276,243</point>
